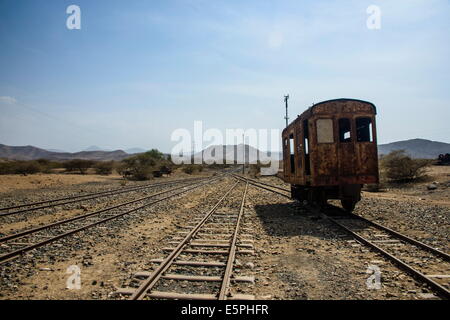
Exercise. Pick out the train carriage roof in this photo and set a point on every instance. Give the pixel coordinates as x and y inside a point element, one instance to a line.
<point>310,109</point>
<point>346,99</point>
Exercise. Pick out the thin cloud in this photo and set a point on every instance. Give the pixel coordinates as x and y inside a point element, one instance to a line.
<point>8,100</point>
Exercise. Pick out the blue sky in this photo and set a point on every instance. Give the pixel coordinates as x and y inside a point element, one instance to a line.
<point>137,70</point>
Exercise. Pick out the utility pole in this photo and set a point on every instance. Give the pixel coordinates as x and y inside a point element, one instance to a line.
<point>286,101</point>
<point>243,154</point>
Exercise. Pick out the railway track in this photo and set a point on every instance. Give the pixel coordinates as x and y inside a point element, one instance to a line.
<point>6,211</point>
<point>14,245</point>
<point>219,233</point>
<point>425,263</point>
<point>269,187</point>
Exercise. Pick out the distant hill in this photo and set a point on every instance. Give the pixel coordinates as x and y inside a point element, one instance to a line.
<point>234,152</point>
<point>129,151</point>
<point>33,153</point>
<point>135,150</point>
<point>417,148</point>
<point>95,148</point>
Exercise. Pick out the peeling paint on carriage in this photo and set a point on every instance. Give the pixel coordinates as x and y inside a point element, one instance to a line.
<point>330,150</point>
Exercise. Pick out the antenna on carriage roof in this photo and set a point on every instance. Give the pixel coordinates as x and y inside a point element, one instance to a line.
<point>286,101</point>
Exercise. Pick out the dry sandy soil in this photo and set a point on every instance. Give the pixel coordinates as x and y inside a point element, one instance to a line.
<point>418,192</point>
<point>298,254</point>
<point>13,182</point>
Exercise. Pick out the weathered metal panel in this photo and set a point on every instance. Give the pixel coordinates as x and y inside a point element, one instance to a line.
<point>325,166</point>
<point>334,163</point>
<point>299,176</point>
<point>366,156</point>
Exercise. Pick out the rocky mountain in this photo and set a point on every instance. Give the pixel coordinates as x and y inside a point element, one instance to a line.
<point>417,148</point>
<point>33,153</point>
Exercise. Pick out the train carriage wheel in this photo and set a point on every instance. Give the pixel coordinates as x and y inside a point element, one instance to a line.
<point>348,204</point>
<point>317,197</point>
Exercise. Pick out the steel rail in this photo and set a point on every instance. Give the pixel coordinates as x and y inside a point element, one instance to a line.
<point>265,184</point>
<point>83,216</point>
<point>260,186</point>
<point>415,273</point>
<point>232,253</point>
<point>384,228</point>
<point>150,282</point>
<point>84,197</point>
<point>415,242</point>
<point>94,193</point>
<point>7,257</point>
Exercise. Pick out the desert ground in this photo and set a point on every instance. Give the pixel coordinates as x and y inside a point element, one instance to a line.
<point>297,253</point>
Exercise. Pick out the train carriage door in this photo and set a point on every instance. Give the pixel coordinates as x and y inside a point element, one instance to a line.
<point>346,148</point>
<point>326,152</point>
<point>291,154</point>
<point>366,147</point>
<point>286,157</point>
<point>299,151</point>
<point>306,157</point>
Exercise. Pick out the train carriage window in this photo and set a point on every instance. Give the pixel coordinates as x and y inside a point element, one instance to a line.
<point>292,154</point>
<point>306,147</point>
<point>285,147</point>
<point>306,136</point>
<point>299,149</point>
<point>324,131</point>
<point>345,130</point>
<point>364,130</point>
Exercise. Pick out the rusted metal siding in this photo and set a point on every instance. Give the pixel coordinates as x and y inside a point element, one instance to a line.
<point>286,167</point>
<point>298,152</point>
<point>334,163</point>
<point>323,155</point>
<point>325,165</point>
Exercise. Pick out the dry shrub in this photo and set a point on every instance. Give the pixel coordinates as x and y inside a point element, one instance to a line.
<point>20,167</point>
<point>192,168</point>
<point>28,166</point>
<point>189,169</point>
<point>141,166</point>
<point>399,167</point>
<point>104,167</point>
<point>78,165</point>
<point>254,170</point>
<point>6,167</point>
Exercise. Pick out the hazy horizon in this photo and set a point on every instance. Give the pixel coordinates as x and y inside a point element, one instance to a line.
<point>168,152</point>
<point>136,71</point>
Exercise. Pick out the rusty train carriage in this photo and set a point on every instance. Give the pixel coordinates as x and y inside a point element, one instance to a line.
<point>330,151</point>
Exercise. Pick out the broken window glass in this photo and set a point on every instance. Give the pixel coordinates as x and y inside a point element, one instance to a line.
<point>345,130</point>
<point>364,130</point>
<point>306,147</point>
<point>299,149</point>
<point>292,154</point>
